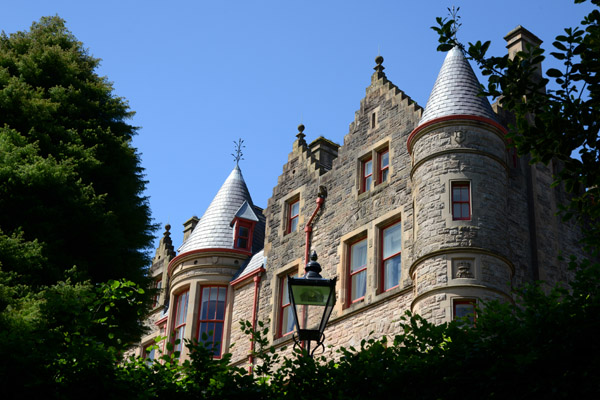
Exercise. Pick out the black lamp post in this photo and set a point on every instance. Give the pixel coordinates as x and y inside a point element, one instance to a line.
<point>312,297</point>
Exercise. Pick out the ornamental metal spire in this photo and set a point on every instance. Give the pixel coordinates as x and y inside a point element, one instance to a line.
<point>238,155</point>
<point>455,18</point>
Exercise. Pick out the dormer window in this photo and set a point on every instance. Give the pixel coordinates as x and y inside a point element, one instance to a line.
<point>243,226</point>
<point>242,235</point>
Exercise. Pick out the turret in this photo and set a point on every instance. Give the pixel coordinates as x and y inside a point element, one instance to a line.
<point>459,180</point>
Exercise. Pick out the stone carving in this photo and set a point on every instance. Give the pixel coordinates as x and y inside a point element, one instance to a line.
<point>459,136</point>
<point>464,270</point>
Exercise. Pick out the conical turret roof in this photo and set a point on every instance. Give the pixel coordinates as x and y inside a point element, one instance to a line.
<point>214,231</point>
<point>455,91</point>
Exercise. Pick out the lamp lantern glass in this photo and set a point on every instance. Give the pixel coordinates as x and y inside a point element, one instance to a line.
<point>312,298</point>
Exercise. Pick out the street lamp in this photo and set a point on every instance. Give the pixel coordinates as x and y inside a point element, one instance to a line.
<point>312,297</point>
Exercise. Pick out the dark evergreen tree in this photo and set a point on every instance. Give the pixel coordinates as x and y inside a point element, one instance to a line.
<point>74,225</point>
<point>69,177</point>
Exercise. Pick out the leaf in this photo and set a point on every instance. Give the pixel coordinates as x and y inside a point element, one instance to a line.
<point>554,73</point>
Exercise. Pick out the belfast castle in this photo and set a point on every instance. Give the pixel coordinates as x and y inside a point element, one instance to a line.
<point>427,210</point>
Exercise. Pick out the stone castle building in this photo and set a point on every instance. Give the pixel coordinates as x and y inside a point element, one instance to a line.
<point>426,210</point>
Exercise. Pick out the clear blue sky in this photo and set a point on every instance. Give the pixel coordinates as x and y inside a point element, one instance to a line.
<point>201,74</point>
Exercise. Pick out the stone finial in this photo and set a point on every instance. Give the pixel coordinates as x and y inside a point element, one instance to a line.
<point>167,235</point>
<point>379,61</point>
<point>301,135</point>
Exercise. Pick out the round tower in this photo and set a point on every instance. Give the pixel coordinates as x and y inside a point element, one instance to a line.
<point>221,242</point>
<point>459,187</point>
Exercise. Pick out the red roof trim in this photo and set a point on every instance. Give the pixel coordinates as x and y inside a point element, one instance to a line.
<point>248,276</point>
<point>450,118</point>
<point>198,251</point>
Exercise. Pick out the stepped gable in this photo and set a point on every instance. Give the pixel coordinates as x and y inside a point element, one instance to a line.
<point>214,230</point>
<point>456,91</point>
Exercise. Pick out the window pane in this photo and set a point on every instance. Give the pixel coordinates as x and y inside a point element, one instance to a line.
<point>385,159</point>
<point>359,255</point>
<point>359,285</point>
<point>456,211</point>
<point>217,338</point>
<point>242,243</point>
<point>384,175</point>
<point>221,303</point>
<point>179,333</point>
<point>465,210</point>
<point>392,240</point>
<point>465,309</point>
<point>391,270</point>
<point>455,193</point>
<point>285,293</point>
<point>181,308</point>
<point>368,167</point>
<point>295,209</point>
<point>293,225</point>
<point>368,183</point>
<point>243,231</point>
<point>287,320</point>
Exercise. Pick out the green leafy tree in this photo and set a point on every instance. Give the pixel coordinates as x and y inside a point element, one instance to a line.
<point>74,226</point>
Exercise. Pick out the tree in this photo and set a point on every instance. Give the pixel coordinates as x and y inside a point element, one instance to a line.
<point>552,122</point>
<point>68,173</point>
<point>74,227</point>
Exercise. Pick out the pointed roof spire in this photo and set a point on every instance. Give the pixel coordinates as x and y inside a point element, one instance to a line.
<point>214,229</point>
<point>456,91</point>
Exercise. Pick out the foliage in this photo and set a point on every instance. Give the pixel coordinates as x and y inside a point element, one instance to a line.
<point>552,121</point>
<point>68,173</point>
<point>74,227</point>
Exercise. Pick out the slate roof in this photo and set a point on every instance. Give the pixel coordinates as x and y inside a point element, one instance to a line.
<point>455,91</point>
<point>214,229</point>
<point>246,212</point>
<point>258,260</point>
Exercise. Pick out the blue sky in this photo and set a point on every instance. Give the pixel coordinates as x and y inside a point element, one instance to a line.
<point>201,74</point>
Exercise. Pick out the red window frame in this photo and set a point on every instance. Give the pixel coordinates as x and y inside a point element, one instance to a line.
<point>179,319</point>
<point>285,310</point>
<point>383,169</point>
<point>239,236</point>
<point>352,274</point>
<point>460,201</point>
<point>157,285</point>
<point>293,217</point>
<point>459,302</point>
<point>211,320</point>
<point>390,257</point>
<point>366,176</point>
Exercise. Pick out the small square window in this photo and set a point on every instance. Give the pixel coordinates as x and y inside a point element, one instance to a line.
<point>366,174</point>
<point>465,308</point>
<point>357,271</point>
<point>391,252</point>
<point>461,201</point>
<point>293,213</point>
